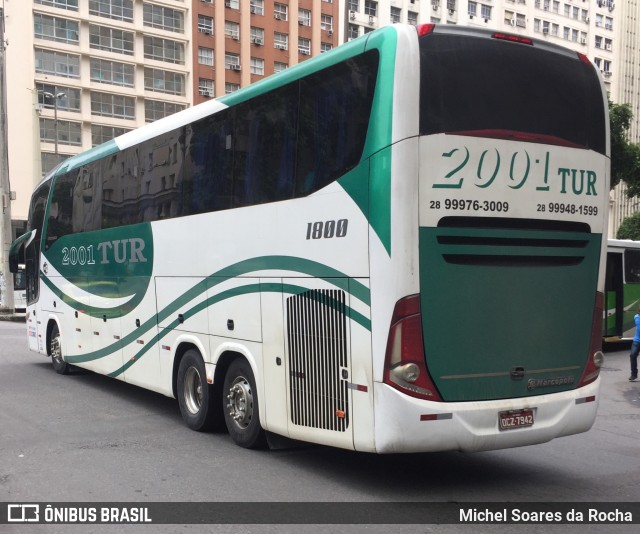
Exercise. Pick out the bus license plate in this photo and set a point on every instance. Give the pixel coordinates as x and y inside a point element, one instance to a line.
<point>515,419</point>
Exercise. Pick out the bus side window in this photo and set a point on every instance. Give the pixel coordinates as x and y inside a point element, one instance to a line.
<point>632,266</point>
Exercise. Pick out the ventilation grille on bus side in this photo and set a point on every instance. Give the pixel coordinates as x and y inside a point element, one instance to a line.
<point>317,335</point>
<point>511,242</point>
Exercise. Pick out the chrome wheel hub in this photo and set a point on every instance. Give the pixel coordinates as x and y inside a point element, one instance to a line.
<point>193,390</point>
<point>240,402</point>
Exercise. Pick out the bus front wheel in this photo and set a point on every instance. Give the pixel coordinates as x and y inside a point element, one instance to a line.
<point>194,394</point>
<point>55,350</point>
<point>241,413</point>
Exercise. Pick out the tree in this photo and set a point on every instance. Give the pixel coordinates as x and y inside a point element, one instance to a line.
<point>625,156</point>
<point>630,228</point>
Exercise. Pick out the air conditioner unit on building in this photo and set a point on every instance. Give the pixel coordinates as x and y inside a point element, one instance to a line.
<point>227,3</point>
<point>305,52</point>
<point>545,30</point>
<point>235,37</point>
<point>512,22</point>
<point>370,19</point>
<point>257,41</point>
<point>280,47</point>
<point>452,11</point>
<point>329,32</point>
<point>608,46</point>
<point>583,41</point>
<point>235,67</point>
<point>352,15</point>
<point>277,17</point>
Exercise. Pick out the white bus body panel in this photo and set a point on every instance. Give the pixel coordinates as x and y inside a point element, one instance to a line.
<point>473,426</point>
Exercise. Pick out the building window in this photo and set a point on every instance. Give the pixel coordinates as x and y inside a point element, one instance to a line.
<point>257,66</point>
<point>257,7</point>
<point>57,63</point>
<point>281,41</point>
<point>205,56</point>
<point>325,47</point>
<point>205,24</point>
<point>396,15</point>
<point>354,5</point>
<point>326,22</point>
<point>232,29</point>
<point>278,66</point>
<point>412,18</point>
<point>304,46</point>
<point>71,5</point>
<point>55,29</point>
<point>304,17</point>
<point>231,87</point>
<point>233,4</point>
<point>155,109</point>
<point>69,133</point>
<point>164,81</point>
<point>105,71</point>
<point>231,61</point>
<point>485,12</point>
<point>110,39</point>
<point>257,35</point>
<point>353,31</point>
<point>371,8</point>
<point>110,105</point>
<point>163,50</point>
<point>163,18</point>
<point>472,9</point>
<point>101,134</point>
<point>70,101</point>
<point>49,161</point>
<point>205,87</point>
<point>113,9</point>
<point>280,11</point>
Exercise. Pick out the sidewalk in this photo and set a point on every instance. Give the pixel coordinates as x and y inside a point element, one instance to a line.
<point>18,317</point>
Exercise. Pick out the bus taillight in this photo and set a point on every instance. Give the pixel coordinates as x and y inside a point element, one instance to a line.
<point>425,29</point>
<point>405,368</point>
<point>596,358</point>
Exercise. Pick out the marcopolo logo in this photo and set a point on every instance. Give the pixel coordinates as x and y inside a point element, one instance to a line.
<point>535,383</point>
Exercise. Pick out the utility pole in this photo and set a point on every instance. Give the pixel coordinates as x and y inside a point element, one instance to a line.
<point>6,278</point>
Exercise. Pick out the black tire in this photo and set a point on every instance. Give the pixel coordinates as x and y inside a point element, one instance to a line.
<point>194,394</point>
<point>55,351</point>
<point>241,411</point>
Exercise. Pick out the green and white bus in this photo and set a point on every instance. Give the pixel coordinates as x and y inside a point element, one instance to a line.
<point>396,246</point>
<point>622,289</point>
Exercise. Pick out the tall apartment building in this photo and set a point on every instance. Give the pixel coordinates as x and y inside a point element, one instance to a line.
<point>238,42</point>
<point>82,71</point>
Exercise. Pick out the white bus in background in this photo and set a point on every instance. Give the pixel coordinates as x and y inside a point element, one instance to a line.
<point>394,247</point>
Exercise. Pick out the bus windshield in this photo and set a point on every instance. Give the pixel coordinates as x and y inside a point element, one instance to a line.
<point>495,88</point>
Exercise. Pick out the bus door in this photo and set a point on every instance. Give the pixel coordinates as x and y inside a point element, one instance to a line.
<point>318,359</point>
<point>614,295</point>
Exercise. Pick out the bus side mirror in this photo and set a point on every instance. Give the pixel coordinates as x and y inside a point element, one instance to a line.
<point>16,252</point>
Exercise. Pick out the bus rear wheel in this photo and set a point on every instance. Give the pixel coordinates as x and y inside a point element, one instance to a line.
<point>55,350</point>
<point>241,413</point>
<point>194,394</point>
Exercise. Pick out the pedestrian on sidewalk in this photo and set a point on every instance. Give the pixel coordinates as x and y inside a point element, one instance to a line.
<point>635,349</point>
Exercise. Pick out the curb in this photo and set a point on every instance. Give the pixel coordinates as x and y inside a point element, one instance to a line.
<point>13,318</point>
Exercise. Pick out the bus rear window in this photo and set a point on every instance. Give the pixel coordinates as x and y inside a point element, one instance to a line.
<point>478,84</point>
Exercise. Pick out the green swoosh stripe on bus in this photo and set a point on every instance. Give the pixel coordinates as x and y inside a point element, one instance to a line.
<point>290,263</point>
<point>231,293</point>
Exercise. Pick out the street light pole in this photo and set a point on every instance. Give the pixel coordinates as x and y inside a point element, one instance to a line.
<point>55,98</point>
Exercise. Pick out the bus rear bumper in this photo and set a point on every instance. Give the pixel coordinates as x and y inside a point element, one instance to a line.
<point>406,424</point>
